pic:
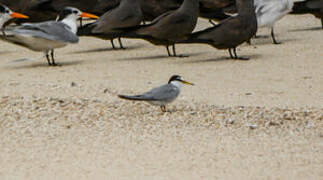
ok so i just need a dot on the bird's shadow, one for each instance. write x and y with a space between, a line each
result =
160 57
307 29
43 65
106 50
223 59
256 42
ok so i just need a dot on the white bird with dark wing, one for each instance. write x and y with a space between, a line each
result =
268 12
163 95
49 35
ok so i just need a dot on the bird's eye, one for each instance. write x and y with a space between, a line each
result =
6 11
75 12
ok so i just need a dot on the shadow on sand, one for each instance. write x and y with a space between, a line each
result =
42 65
224 58
106 50
160 57
307 29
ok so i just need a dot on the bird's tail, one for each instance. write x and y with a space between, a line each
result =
195 38
301 7
133 98
85 30
137 31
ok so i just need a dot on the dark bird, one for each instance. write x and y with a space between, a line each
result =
127 14
216 10
314 7
168 28
231 32
162 95
49 35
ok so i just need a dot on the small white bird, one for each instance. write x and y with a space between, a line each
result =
268 12
6 14
162 95
49 35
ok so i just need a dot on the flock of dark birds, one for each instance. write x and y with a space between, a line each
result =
161 22
44 25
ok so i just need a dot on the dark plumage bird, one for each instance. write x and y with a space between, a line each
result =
168 28
314 7
231 32
127 14
216 10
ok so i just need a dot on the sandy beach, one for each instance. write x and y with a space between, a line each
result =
256 119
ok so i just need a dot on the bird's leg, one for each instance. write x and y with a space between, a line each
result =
211 22
163 108
112 43
4 33
81 22
237 57
174 51
273 36
120 42
47 57
53 59
167 47
231 56
175 55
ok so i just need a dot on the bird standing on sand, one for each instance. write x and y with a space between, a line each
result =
49 35
127 14
163 95
6 14
231 32
268 12
169 27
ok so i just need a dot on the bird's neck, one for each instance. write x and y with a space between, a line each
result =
192 5
246 8
131 2
177 84
70 22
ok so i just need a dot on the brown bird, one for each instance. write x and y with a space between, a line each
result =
314 7
231 32
168 28
216 10
127 14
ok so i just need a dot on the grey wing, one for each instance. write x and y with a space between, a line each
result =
51 30
165 93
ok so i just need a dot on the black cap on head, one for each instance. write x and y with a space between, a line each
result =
66 12
3 9
175 78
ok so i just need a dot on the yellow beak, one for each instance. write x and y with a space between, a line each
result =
18 15
88 15
188 83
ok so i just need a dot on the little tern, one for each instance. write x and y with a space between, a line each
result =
49 35
162 95
6 14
